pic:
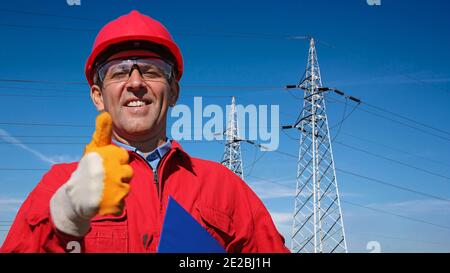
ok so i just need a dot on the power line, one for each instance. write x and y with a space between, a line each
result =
255 160
48 27
374 209
87 96
184 86
74 125
47 136
365 234
276 182
41 81
394 160
12 88
370 179
83 136
248 34
278 179
290 137
344 118
41 96
215 34
379 181
23 169
365 177
393 120
41 89
424 83
84 143
376 143
395 149
250 102
396 121
398 215
406 118
235 35
44 143
394 185
258 88
386 158
50 15
44 124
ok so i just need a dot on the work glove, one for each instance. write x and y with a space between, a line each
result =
97 186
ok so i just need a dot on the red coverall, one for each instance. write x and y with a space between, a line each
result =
218 199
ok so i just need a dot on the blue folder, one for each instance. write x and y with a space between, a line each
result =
181 233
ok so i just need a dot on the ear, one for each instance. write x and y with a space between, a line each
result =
174 92
97 98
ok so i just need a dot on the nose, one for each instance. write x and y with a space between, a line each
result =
135 81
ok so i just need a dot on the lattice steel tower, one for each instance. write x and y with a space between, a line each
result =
318 224
232 156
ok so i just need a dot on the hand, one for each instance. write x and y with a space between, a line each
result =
97 186
116 170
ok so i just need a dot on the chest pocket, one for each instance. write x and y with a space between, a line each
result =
108 234
217 223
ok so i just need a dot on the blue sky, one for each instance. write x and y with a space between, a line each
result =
394 56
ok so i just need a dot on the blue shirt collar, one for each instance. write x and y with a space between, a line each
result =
153 157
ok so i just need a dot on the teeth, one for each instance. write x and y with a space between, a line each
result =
136 103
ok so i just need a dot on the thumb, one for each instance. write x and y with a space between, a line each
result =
103 131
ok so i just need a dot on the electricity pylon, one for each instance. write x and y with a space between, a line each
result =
318 225
232 158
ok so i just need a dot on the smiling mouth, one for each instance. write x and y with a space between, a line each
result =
137 103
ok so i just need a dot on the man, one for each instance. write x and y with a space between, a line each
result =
114 199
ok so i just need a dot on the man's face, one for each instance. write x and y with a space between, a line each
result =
138 106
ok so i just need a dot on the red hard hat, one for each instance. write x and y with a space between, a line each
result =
132 27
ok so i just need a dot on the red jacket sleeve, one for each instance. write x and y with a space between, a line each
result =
265 237
254 229
32 229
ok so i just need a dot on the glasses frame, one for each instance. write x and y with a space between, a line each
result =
101 66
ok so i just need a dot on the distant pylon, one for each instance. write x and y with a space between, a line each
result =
318 225
232 156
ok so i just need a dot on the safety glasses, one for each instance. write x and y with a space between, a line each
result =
150 68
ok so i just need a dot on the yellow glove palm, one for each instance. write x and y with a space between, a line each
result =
115 163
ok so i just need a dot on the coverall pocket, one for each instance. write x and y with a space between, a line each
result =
217 223
37 213
108 234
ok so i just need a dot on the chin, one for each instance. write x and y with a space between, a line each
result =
137 129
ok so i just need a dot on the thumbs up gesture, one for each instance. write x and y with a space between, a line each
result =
116 171
97 186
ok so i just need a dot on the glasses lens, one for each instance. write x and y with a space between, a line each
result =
149 68
154 69
115 70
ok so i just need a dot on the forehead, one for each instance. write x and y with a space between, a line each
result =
133 53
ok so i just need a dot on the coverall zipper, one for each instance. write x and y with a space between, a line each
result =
156 180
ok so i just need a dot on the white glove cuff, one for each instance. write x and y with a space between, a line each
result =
76 202
64 216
